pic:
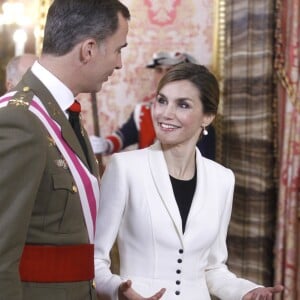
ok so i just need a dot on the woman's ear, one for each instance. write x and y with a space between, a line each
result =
207 119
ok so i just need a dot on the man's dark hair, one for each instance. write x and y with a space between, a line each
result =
71 21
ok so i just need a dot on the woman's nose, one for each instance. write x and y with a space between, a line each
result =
169 111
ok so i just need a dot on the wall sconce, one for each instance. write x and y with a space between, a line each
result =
14 15
20 38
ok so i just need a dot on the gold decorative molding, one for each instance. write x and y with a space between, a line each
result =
219 37
42 14
218 65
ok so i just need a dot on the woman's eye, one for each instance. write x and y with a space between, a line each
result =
160 99
184 105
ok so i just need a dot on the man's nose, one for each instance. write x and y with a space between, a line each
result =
119 63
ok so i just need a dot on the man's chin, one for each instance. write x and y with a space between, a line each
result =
99 87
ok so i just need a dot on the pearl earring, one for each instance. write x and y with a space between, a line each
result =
205 132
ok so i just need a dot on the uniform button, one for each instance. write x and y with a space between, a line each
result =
180 251
177 293
178 271
178 282
93 284
74 188
179 260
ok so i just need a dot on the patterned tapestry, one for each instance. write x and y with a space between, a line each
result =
287 65
248 122
173 25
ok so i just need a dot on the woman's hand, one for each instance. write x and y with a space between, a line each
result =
263 293
126 292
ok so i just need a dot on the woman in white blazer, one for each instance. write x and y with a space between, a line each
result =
168 207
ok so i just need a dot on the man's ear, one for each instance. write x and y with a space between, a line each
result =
87 50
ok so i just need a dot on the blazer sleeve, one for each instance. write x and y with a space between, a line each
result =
221 282
22 161
113 195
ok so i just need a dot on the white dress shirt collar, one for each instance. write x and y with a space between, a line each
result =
61 93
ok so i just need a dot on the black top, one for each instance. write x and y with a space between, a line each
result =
184 192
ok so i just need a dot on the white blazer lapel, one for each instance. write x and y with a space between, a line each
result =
201 191
163 184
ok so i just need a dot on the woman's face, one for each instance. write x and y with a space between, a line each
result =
177 114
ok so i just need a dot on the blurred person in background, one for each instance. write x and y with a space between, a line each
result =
16 68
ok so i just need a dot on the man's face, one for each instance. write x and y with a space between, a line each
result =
159 72
108 56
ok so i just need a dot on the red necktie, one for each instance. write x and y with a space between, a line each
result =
75 107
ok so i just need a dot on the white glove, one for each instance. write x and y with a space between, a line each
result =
100 145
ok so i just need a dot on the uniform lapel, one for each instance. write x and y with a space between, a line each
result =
91 156
163 184
57 114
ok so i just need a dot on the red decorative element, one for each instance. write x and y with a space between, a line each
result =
44 263
162 12
147 133
116 141
75 107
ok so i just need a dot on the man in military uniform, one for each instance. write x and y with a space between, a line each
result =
49 185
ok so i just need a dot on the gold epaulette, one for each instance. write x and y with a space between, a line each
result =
22 98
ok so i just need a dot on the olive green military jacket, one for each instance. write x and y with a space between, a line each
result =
38 202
